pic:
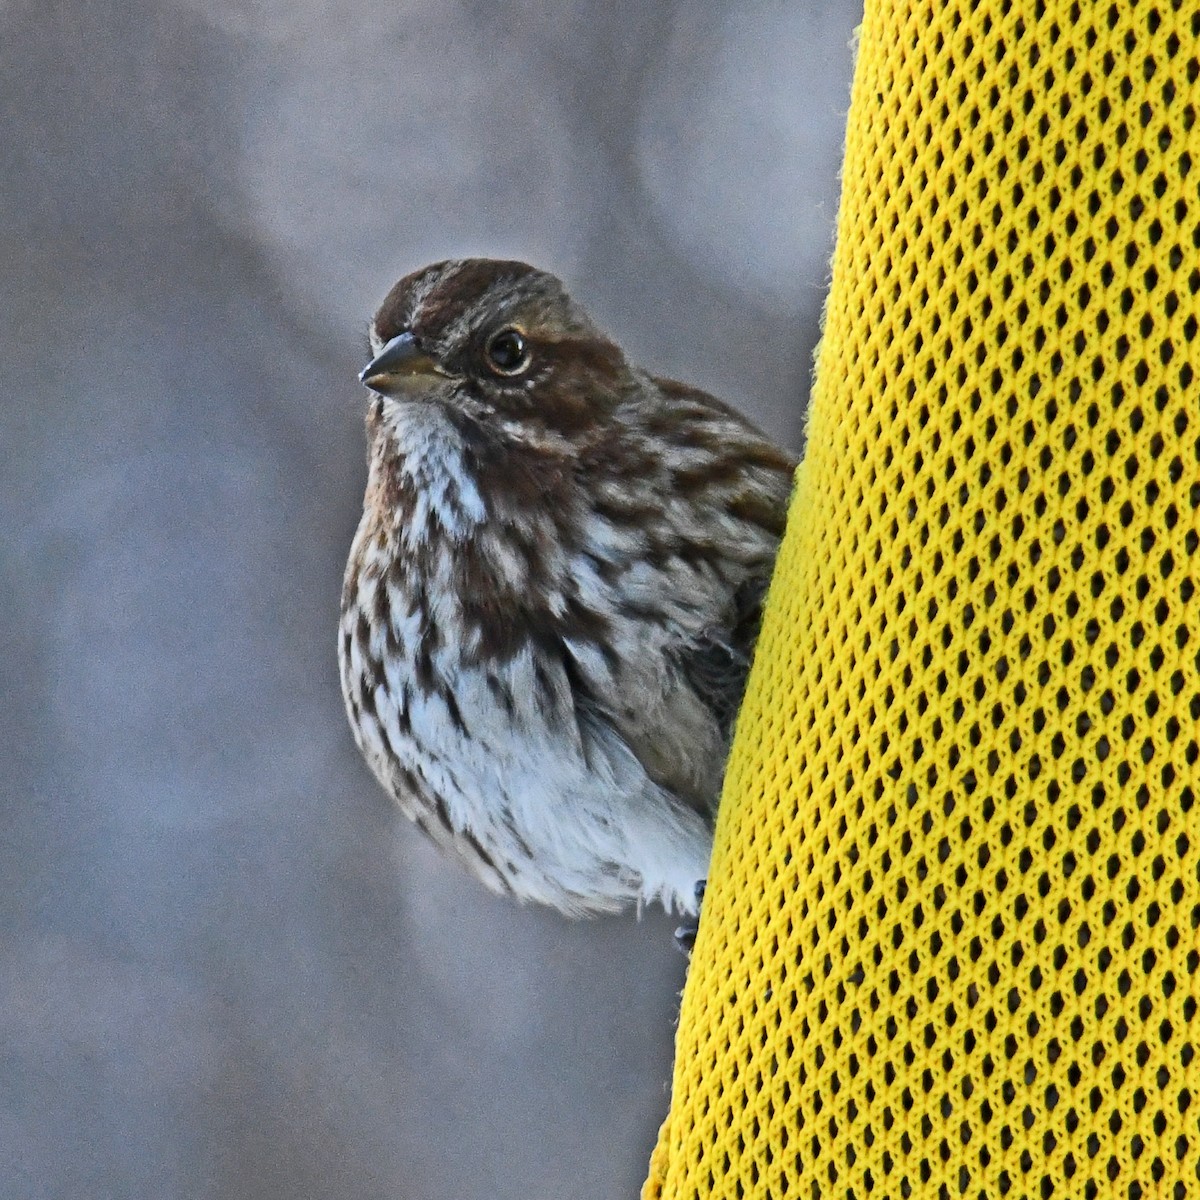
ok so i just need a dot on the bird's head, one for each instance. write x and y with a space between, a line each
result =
499 343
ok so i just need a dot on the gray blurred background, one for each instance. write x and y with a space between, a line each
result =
227 968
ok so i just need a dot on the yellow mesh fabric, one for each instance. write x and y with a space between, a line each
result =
951 944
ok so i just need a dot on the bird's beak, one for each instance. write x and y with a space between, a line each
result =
401 356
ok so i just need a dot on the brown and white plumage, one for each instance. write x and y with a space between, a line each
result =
551 599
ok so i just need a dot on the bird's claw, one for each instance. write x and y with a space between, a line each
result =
685 934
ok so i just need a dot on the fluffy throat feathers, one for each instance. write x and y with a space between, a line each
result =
430 474
471 537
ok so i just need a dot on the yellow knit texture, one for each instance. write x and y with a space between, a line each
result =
951 943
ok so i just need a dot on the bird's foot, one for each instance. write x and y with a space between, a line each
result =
685 935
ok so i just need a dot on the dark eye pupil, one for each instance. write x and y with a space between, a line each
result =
507 350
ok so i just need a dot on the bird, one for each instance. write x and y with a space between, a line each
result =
552 597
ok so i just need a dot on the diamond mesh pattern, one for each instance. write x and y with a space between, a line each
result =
951 943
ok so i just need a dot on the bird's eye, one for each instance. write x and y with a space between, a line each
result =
508 352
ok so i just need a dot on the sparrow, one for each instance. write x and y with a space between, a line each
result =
553 594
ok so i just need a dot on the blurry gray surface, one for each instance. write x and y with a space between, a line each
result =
227 968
